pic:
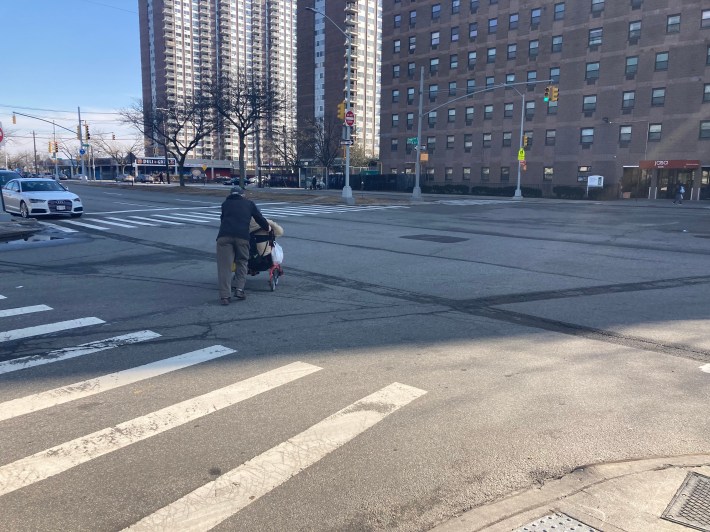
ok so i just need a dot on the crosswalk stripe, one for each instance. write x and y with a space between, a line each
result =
59 227
60 458
277 214
23 310
3 297
136 222
705 368
182 218
105 221
16 334
216 501
84 224
196 217
76 351
87 388
154 220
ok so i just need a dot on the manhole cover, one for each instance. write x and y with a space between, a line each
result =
691 504
556 523
437 238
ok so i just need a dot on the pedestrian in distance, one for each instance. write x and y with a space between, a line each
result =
679 194
233 243
313 183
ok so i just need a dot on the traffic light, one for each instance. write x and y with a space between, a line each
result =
50 147
86 128
341 110
14 118
554 94
78 132
56 147
548 91
113 136
525 141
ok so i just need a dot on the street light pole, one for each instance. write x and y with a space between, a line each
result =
518 194
417 191
347 190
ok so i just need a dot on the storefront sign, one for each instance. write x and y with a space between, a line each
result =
677 164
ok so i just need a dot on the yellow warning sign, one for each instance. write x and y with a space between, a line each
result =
521 154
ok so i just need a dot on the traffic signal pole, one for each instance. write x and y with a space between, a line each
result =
81 143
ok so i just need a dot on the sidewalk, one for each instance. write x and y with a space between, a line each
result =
624 496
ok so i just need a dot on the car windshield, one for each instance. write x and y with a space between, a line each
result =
48 185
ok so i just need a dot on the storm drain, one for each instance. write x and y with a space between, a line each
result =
437 238
691 504
556 522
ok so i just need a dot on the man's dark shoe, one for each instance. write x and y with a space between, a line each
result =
224 300
239 294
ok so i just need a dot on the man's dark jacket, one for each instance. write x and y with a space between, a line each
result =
237 212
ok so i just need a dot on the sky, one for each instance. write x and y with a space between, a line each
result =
58 55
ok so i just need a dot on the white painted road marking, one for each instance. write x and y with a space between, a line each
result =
181 218
209 505
84 224
87 388
50 462
59 228
6 336
23 310
705 368
77 351
131 221
154 220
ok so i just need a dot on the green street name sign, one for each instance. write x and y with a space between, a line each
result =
412 141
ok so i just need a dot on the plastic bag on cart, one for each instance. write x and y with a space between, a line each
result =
277 253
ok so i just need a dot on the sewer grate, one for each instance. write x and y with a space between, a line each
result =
437 238
691 504
556 522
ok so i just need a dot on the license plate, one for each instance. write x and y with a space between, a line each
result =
61 207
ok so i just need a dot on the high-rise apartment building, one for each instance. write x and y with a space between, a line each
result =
186 45
634 92
322 65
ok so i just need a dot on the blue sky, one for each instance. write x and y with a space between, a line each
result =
61 54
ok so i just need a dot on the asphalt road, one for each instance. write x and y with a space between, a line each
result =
415 361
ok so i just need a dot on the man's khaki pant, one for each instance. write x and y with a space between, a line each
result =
231 250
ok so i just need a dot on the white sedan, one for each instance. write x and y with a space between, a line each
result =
40 197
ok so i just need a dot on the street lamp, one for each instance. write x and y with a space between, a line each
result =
347 191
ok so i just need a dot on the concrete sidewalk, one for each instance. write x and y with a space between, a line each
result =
623 496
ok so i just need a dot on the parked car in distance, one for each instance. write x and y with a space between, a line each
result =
81 177
127 178
40 197
145 178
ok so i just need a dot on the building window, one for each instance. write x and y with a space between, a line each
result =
508 110
472 59
395 120
624 134
397 21
435 38
504 174
509 79
454 34
410 95
466 173
467 142
592 71
654 132
705 19
533 48
410 120
432 118
397 46
492 25
435 11
491 55
529 135
705 129
433 65
448 173
529 109
632 65
513 21
556 43
535 15
547 174
628 99
470 85
412 44
450 142
485 174
597 6
532 78
555 74
507 138
706 93
550 137
473 30
634 30
490 81
662 61
707 57
586 135
595 37
552 107
455 6
453 61
433 92
412 19
488 112
559 11
658 97
673 24
469 115
395 95
589 103
452 88
395 71
411 69
512 51
394 145
473 5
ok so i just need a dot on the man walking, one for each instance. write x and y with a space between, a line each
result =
233 242
679 194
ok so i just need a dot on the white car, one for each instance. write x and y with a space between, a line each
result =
40 197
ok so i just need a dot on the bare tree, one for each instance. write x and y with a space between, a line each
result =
326 141
244 101
289 145
69 152
177 127
119 152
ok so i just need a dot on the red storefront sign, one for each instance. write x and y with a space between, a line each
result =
678 164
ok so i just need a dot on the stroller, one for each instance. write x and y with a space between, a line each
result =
265 261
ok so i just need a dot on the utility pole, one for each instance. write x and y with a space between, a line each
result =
417 191
56 157
81 144
34 141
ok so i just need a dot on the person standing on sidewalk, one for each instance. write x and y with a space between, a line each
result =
679 194
233 242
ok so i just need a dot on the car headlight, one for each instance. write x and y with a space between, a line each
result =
35 200
77 199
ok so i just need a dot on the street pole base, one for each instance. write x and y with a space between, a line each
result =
348 196
417 194
518 194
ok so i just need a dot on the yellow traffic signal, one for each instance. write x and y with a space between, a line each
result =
554 94
525 141
14 118
341 110
548 90
50 147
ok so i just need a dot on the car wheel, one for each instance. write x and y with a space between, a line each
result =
24 211
76 214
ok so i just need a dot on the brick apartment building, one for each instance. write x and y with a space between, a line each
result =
634 92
